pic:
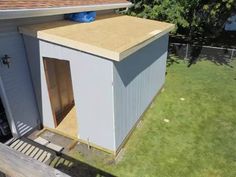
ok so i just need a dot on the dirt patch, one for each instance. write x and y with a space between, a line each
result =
91 154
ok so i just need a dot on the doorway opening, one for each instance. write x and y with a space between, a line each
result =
59 83
5 131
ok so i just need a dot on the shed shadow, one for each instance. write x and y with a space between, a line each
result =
129 68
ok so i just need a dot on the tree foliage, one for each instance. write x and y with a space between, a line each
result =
193 18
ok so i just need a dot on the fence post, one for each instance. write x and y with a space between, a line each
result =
186 54
232 54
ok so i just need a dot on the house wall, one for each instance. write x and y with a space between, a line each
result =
137 80
16 86
92 88
33 58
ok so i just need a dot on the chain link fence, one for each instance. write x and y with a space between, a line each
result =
193 53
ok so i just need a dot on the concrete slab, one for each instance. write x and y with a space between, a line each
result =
41 141
57 139
55 147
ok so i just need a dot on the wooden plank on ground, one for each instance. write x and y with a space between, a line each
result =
16 164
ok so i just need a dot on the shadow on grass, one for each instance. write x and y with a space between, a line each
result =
216 56
76 168
172 59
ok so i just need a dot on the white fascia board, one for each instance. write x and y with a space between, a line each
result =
24 13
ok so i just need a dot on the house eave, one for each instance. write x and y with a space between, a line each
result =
24 13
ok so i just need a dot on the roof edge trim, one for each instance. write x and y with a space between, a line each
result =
24 13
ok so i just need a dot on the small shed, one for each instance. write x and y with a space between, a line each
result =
97 78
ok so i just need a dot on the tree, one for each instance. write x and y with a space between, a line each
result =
209 17
164 10
193 18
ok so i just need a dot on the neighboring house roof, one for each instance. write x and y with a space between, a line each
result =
31 8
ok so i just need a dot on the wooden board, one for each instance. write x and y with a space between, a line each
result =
111 36
69 124
17 164
60 90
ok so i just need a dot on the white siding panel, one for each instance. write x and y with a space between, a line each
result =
92 87
137 80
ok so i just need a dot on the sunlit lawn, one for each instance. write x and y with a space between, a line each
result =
200 138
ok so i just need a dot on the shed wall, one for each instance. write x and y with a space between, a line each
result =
19 98
137 80
92 88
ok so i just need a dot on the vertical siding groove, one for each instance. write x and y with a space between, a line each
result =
137 80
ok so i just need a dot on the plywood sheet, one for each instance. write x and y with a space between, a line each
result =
110 36
59 86
69 124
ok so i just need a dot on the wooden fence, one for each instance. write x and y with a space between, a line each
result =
16 164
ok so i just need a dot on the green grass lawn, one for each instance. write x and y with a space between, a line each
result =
200 138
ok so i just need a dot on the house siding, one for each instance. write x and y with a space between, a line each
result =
16 81
9 27
33 56
17 85
137 80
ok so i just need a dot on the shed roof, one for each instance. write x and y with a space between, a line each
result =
31 8
111 36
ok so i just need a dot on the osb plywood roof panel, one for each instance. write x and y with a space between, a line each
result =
34 4
110 36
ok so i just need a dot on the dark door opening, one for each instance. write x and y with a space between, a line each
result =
5 131
58 76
